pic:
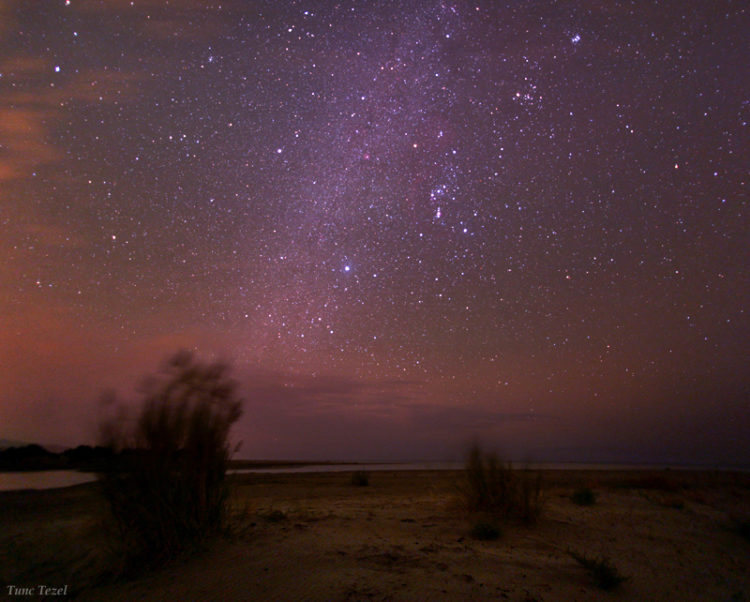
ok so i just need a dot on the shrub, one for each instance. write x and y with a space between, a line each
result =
360 478
167 491
583 497
494 487
742 527
654 482
672 502
530 500
274 516
485 530
605 574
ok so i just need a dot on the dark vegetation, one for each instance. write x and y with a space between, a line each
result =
495 488
651 482
35 457
602 571
168 493
274 516
360 478
583 496
485 530
86 458
742 527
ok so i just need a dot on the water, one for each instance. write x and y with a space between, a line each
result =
460 466
441 466
43 479
350 467
51 479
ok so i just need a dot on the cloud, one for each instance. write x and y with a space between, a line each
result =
29 118
23 67
305 395
187 20
148 6
24 140
54 236
330 416
38 99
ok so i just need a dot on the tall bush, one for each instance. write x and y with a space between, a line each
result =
167 488
494 487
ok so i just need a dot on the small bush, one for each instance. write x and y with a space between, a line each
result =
605 574
653 482
275 516
495 487
530 498
167 489
742 527
485 531
583 497
360 478
672 502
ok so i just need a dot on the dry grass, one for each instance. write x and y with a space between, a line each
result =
360 478
602 571
485 530
167 492
583 496
494 487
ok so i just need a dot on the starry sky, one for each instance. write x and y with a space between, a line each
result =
407 224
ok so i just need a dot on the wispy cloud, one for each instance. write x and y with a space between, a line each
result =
187 20
361 418
25 142
54 236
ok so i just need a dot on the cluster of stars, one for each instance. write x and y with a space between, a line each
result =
445 191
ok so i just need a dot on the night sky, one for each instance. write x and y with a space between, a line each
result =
407 223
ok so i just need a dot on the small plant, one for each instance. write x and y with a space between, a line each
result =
485 531
605 574
742 527
275 516
672 502
583 497
360 478
530 499
652 482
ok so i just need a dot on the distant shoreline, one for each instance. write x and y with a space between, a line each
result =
319 466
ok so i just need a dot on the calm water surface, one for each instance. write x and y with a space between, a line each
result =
43 479
51 479
436 466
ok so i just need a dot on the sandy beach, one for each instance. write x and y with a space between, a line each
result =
674 535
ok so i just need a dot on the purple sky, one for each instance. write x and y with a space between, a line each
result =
407 224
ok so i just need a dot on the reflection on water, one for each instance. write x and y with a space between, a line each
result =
350 467
43 479
438 466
